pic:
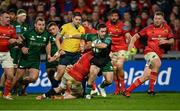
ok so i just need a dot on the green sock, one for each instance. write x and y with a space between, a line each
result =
1 88
104 84
19 88
88 89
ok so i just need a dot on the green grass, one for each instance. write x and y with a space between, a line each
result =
137 101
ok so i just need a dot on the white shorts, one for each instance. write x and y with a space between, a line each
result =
119 54
115 56
149 57
5 60
75 86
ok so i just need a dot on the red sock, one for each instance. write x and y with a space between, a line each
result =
153 78
122 83
134 85
94 86
68 90
7 89
117 84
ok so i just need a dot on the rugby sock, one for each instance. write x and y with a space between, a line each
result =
84 85
68 88
7 87
122 82
24 88
20 86
55 83
116 82
104 84
117 90
153 78
134 85
1 88
51 75
94 86
88 89
50 93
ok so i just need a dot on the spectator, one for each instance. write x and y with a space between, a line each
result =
111 4
31 15
133 9
140 43
12 4
95 20
176 10
176 30
68 17
19 4
154 8
53 17
164 5
3 6
82 7
144 16
98 6
127 17
123 8
67 5
55 4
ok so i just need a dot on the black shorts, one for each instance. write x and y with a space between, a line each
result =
69 58
100 61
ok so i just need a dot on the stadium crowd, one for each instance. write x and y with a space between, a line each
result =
68 30
138 12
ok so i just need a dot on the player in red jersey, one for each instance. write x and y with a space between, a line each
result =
7 36
73 77
119 48
158 35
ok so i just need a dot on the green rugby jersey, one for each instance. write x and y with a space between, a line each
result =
96 39
36 43
20 28
54 48
16 52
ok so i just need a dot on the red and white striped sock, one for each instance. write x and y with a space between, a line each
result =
7 89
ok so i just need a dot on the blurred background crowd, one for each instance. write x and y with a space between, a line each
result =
136 14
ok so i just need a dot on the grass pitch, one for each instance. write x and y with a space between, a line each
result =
137 101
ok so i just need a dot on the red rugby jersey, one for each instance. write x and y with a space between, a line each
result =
6 33
118 42
154 34
81 68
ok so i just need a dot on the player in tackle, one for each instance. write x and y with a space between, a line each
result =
72 77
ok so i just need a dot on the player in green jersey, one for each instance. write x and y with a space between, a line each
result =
21 27
51 65
35 41
101 46
15 51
